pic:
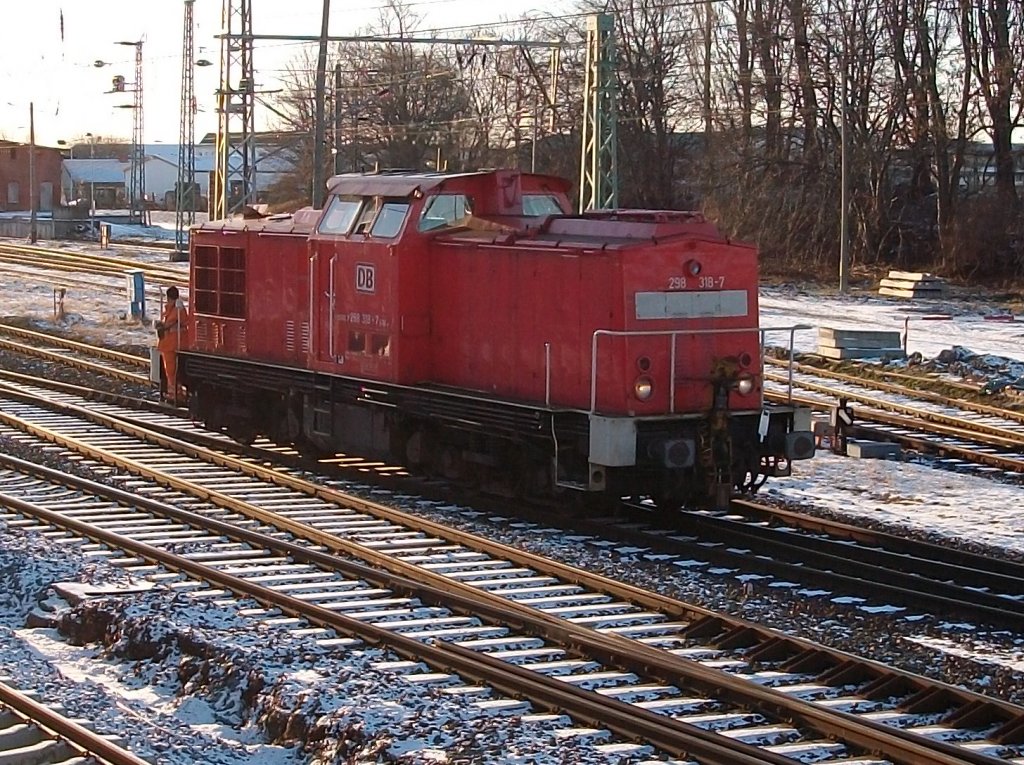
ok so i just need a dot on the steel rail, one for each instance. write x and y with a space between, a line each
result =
1016 437
926 445
920 442
82 740
87 262
893 542
934 585
904 390
79 255
905 746
901 421
85 364
31 272
48 269
92 394
670 735
98 351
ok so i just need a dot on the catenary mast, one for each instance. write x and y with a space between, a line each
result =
184 191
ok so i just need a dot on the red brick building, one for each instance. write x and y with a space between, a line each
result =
14 177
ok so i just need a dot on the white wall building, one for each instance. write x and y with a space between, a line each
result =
162 169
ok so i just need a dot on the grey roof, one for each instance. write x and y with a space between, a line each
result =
205 162
95 170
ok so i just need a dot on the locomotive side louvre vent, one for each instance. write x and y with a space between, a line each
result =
202 332
305 336
289 335
240 337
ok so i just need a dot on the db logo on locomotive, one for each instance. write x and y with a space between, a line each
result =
365 278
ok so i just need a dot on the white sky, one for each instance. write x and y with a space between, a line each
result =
69 91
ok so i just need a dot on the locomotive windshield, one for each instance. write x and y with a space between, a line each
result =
389 220
539 205
445 210
339 216
381 217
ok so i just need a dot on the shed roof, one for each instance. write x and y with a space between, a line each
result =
205 162
95 170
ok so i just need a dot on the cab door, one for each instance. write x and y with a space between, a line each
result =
364 280
330 244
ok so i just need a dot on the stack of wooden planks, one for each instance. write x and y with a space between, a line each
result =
908 284
859 344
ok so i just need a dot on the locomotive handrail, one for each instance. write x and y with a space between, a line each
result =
792 333
672 334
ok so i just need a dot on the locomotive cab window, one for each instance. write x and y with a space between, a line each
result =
445 210
341 212
538 205
390 219
366 215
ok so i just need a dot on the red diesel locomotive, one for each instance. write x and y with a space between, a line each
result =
468 325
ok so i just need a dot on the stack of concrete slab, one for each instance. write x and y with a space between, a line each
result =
859 344
912 285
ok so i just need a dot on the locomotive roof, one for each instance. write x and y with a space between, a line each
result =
403 184
300 222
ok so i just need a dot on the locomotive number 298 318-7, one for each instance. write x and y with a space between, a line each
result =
702 282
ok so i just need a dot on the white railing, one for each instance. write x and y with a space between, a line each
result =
671 335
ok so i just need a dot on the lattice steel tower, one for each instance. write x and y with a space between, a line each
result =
234 183
184 191
599 172
137 211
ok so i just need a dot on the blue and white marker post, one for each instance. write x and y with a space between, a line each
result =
136 294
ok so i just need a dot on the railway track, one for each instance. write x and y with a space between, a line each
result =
621 643
58 350
84 263
790 546
869 564
136 245
32 734
961 431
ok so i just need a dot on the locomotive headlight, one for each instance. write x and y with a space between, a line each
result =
643 388
744 385
693 267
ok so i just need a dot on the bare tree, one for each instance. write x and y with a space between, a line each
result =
992 33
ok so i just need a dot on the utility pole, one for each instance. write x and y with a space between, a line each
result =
318 121
533 138
236 148
708 11
33 235
337 119
844 182
184 189
599 172
137 211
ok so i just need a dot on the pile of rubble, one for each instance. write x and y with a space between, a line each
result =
997 374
